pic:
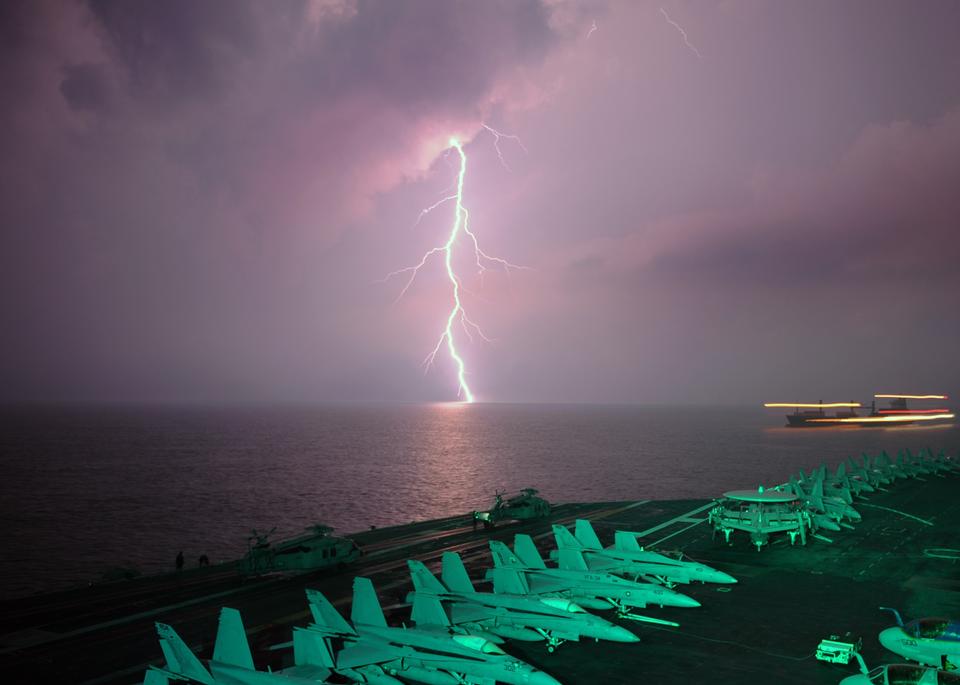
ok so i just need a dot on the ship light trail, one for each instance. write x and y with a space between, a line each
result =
888 419
913 411
913 397
818 405
460 226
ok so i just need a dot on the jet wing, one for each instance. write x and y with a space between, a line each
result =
364 654
541 584
356 655
464 612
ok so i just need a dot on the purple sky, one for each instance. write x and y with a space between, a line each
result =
198 199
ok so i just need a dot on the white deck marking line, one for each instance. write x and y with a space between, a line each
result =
695 523
675 519
55 637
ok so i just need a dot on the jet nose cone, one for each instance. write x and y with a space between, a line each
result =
890 639
721 577
620 634
829 524
675 599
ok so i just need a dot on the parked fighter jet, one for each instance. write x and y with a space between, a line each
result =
903 674
848 483
872 471
373 649
232 662
525 573
941 462
827 512
931 641
627 557
511 616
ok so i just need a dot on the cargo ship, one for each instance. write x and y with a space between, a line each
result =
897 413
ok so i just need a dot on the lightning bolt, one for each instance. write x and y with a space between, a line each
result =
593 27
496 144
461 225
682 32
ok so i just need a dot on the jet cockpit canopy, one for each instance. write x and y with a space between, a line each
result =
933 629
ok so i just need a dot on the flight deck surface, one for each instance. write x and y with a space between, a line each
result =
763 629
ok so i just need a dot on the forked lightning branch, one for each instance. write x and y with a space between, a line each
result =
459 231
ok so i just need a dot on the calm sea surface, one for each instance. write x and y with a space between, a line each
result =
88 488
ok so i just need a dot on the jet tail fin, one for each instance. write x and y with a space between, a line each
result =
231 646
527 551
428 611
366 609
502 556
311 648
509 581
454 573
571 560
565 539
626 541
325 615
586 535
180 659
423 579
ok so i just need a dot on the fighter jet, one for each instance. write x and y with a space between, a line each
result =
848 482
627 557
872 471
903 674
828 512
371 647
941 462
931 641
525 573
503 615
232 663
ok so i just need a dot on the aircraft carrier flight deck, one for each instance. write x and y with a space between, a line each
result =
763 629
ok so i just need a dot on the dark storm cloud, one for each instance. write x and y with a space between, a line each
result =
425 52
179 50
172 170
885 210
405 53
199 198
86 87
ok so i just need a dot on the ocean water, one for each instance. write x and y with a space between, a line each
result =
85 489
